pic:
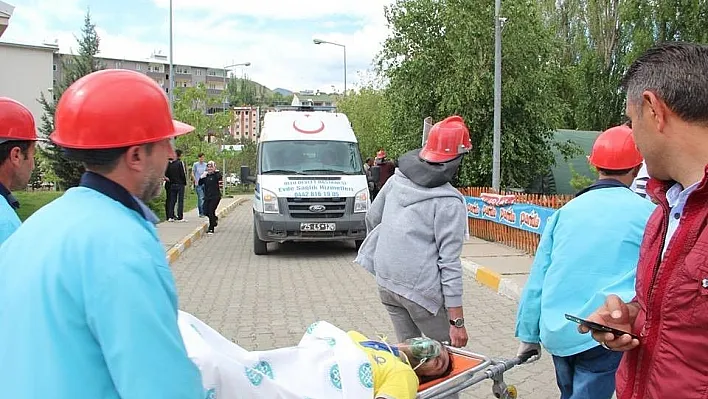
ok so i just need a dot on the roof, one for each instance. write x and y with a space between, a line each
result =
561 171
148 60
299 125
43 47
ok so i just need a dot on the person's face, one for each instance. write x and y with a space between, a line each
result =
155 163
648 129
201 159
23 165
436 366
210 168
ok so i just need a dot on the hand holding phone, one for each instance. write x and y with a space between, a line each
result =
599 327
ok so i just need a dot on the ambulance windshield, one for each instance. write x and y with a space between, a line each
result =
307 157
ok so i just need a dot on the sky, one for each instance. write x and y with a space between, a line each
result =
275 36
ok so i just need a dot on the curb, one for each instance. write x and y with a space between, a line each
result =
176 251
493 280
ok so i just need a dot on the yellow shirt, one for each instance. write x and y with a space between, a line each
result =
393 379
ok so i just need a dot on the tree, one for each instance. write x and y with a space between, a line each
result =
438 61
370 116
68 172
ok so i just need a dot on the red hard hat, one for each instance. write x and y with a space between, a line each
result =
614 149
16 121
447 140
114 108
381 154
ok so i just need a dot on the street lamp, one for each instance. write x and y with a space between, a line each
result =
496 143
320 41
226 94
171 84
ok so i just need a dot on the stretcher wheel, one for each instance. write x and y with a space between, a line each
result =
511 392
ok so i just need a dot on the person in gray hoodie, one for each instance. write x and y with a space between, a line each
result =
416 229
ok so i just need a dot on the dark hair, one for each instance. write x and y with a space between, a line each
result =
425 379
101 161
676 73
611 172
201 154
178 152
6 148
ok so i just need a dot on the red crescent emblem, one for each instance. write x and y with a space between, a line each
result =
313 131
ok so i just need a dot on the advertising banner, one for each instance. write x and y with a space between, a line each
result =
527 217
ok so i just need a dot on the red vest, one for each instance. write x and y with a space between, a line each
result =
672 359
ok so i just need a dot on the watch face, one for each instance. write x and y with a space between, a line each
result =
459 322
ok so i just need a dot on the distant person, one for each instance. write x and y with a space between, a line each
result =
198 169
209 181
177 181
17 147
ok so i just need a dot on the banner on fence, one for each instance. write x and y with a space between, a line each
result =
527 217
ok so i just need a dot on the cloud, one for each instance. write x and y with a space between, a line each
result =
274 35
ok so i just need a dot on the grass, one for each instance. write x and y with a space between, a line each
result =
31 201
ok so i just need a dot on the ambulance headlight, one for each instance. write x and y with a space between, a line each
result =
270 202
361 201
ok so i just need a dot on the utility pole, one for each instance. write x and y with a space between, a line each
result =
171 84
496 151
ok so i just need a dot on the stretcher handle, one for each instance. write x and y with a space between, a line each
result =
524 357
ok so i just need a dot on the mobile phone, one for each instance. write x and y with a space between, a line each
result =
598 327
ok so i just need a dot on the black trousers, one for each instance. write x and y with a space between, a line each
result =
210 205
175 196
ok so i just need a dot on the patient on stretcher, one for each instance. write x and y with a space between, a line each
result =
326 363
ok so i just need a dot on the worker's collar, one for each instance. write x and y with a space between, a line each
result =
602 183
117 192
14 203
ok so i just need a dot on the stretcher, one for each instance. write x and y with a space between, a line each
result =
469 369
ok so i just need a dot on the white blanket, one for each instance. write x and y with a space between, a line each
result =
325 364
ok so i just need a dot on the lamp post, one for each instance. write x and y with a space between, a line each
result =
319 41
226 71
496 144
171 84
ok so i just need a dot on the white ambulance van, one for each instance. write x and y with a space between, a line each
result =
310 183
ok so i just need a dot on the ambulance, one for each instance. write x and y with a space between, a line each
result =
310 183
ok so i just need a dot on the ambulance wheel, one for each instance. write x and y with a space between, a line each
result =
260 247
357 244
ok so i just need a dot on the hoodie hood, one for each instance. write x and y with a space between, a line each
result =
407 192
426 174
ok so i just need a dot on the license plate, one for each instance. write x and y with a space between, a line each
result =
317 226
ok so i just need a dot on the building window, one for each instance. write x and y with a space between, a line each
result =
119 65
212 86
137 67
54 67
198 72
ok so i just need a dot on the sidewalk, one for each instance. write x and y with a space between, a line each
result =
499 267
178 236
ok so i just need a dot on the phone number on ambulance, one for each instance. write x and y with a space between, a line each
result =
316 194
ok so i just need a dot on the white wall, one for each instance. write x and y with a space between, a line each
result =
25 72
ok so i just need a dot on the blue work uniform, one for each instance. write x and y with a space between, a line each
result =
589 249
9 221
88 303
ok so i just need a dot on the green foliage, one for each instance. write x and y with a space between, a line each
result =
439 61
67 172
370 116
579 181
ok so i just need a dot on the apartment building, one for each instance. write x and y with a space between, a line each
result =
157 66
26 74
246 123
6 11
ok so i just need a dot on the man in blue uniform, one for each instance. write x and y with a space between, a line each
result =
17 146
589 248
87 299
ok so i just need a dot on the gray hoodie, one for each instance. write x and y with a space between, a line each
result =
416 232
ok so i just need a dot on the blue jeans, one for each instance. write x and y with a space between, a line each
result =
587 375
200 200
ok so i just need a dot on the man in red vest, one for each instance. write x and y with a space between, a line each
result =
667 101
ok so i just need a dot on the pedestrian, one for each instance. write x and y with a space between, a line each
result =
17 147
198 169
667 102
416 229
589 247
209 181
88 301
177 179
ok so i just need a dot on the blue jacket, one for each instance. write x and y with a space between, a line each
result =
88 303
9 221
589 249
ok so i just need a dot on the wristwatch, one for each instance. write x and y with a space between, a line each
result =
459 322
